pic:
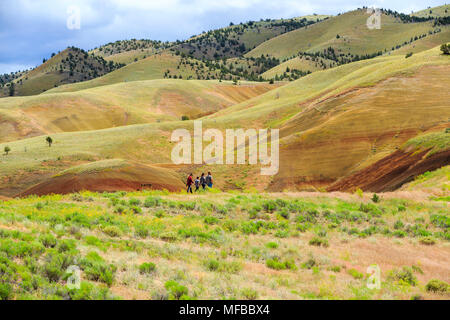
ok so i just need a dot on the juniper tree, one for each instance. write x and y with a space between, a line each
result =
49 141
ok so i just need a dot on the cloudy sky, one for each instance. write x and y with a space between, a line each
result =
31 30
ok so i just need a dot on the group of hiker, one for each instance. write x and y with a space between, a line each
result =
203 181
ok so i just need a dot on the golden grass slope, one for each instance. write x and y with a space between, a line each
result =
427 43
441 11
354 36
302 63
119 105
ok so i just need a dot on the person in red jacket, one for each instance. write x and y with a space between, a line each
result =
190 181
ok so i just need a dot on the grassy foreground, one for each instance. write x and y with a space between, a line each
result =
160 245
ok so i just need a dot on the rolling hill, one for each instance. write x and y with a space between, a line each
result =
333 123
69 66
128 51
441 11
164 65
347 34
235 40
119 105
302 63
426 43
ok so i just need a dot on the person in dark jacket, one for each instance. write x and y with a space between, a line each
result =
209 180
197 184
203 181
189 182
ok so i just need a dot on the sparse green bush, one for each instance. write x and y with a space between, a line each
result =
6 291
134 202
249 294
152 202
95 268
445 48
272 245
438 286
141 231
112 231
429 241
280 265
398 225
48 240
405 276
375 198
336 269
212 265
160 213
211 220
355 273
309 264
175 290
147 268
316 241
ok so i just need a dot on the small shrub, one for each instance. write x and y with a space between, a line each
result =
272 245
134 202
355 274
152 202
120 209
284 213
5 291
136 209
429 241
399 233
336 269
160 213
212 265
39 205
147 268
211 220
438 286
141 231
316 241
398 225
96 269
112 231
279 265
250 294
309 264
409 54
48 240
405 276
375 198
445 48
175 290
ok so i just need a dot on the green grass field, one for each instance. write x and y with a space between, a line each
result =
156 245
